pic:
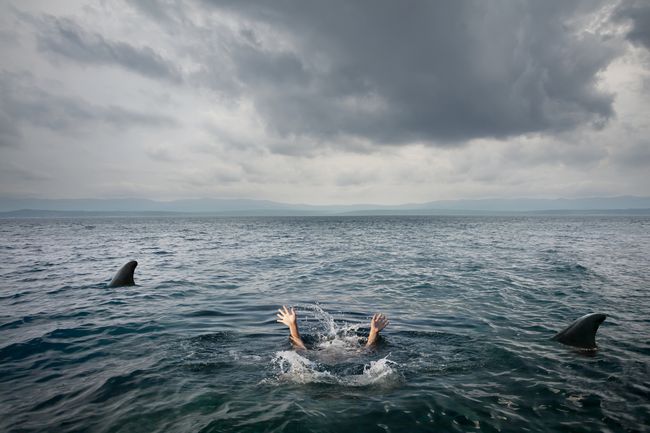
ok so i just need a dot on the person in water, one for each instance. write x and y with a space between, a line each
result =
288 317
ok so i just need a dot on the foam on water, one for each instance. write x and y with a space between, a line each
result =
337 349
293 367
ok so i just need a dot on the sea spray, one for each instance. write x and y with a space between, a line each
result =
380 372
324 327
295 368
324 331
337 351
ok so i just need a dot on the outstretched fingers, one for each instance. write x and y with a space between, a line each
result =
379 321
282 315
286 315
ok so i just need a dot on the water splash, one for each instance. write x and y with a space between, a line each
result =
295 368
326 332
324 327
337 349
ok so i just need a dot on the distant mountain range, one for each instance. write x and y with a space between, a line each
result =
10 207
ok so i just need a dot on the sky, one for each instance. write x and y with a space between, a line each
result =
324 102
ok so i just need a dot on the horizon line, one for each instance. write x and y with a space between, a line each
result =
280 201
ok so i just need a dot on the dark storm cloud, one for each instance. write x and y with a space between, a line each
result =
63 37
638 15
438 72
23 103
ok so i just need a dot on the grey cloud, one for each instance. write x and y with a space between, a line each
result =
9 132
269 69
225 175
160 154
22 103
574 154
8 37
634 155
12 172
64 37
441 72
638 15
355 178
166 11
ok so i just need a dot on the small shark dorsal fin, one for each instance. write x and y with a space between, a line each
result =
124 277
582 332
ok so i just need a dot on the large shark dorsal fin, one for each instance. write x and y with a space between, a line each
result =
582 332
124 277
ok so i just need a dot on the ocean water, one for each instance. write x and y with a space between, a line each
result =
195 347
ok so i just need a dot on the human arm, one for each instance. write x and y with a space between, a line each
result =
377 323
288 317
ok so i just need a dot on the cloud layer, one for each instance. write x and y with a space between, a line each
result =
326 101
63 37
435 72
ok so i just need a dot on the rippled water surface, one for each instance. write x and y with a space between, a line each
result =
195 346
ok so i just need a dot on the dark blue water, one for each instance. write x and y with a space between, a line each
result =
195 346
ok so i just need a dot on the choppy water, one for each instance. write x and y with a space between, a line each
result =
195 346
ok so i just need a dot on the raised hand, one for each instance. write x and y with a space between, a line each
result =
377 323
288 317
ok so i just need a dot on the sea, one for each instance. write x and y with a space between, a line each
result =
195 346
